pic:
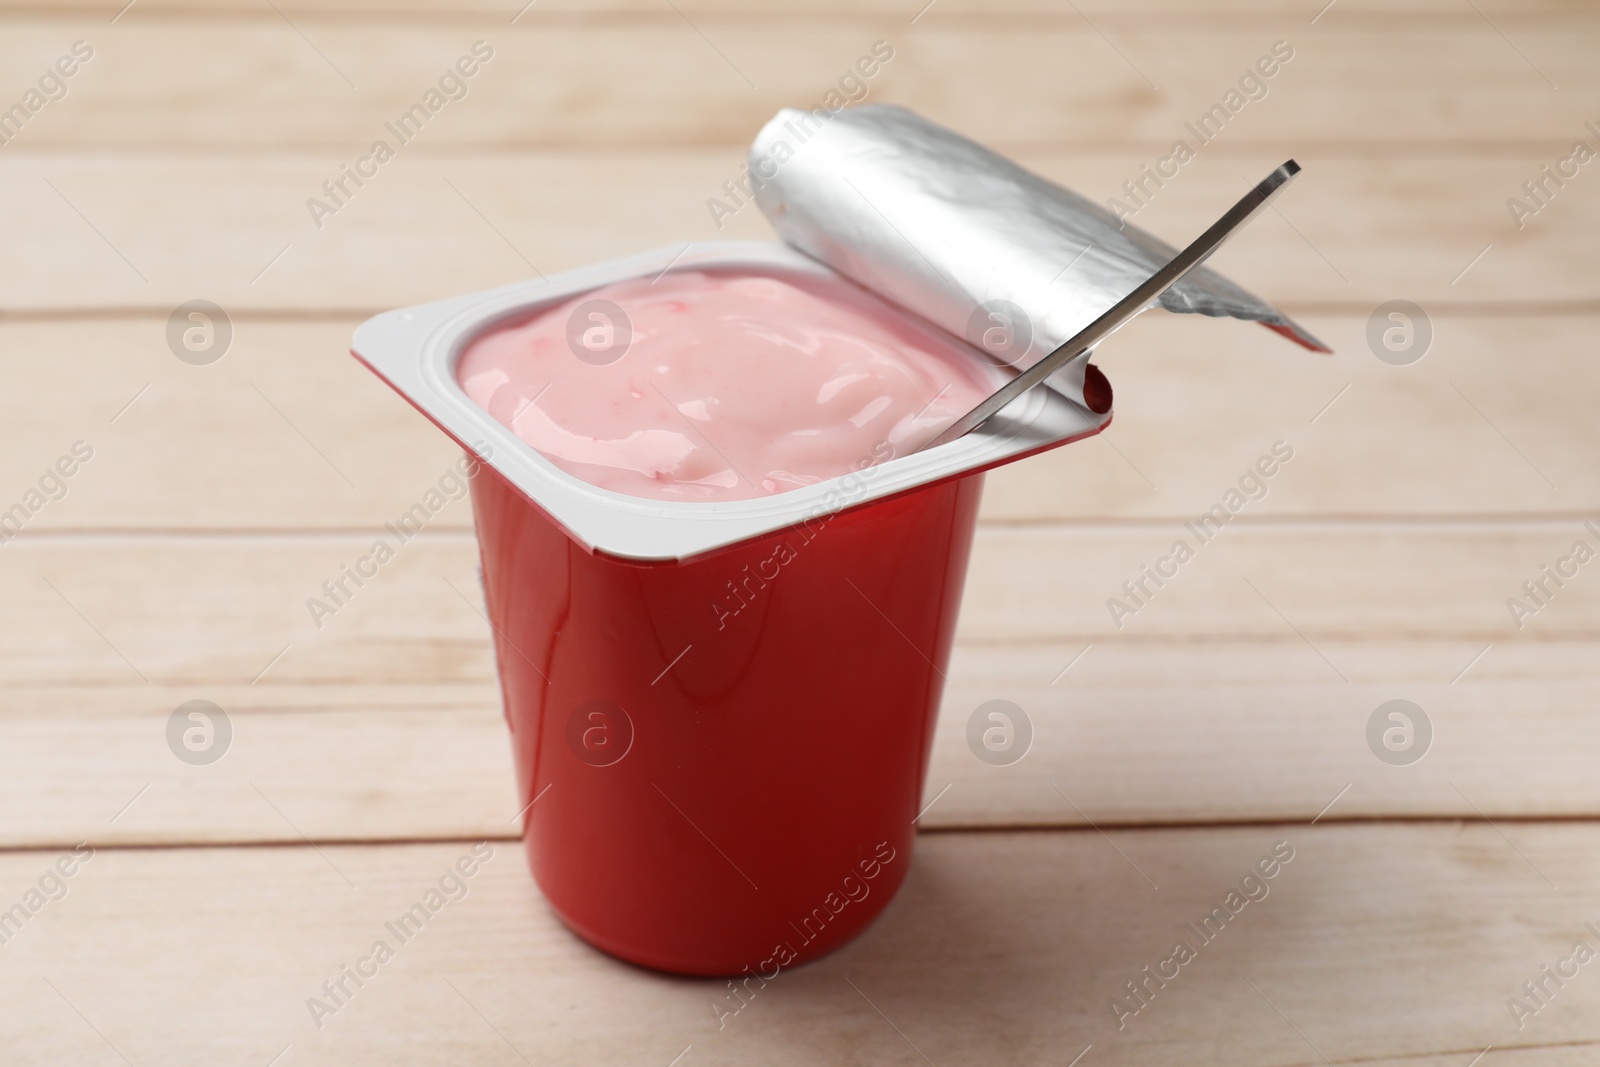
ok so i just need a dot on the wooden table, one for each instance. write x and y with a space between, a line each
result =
1229 714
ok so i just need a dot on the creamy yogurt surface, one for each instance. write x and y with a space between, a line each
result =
722 385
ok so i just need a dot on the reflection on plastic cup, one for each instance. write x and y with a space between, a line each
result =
599 332
1001 329
199 332
199 732
1399 332
1399 732
780 753
599 732
999 732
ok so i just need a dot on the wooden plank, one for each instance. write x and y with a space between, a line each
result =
229 611
376 773
150 230
1238 732
209 611
1386 944
288 433
1156 733
1460 433
1296 584
1106 12
257 79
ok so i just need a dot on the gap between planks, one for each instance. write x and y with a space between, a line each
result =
1519 148
644 15
1159 826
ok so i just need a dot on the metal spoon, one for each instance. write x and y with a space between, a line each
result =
1129 306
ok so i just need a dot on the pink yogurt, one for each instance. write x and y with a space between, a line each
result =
722 385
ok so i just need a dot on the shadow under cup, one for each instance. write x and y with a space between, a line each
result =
725 755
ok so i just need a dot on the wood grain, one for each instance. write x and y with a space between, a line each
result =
150 229
1130 735
1171 751
222 610
258 79
288 433
1106 12
1002 948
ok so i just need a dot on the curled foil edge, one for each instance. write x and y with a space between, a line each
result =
960 235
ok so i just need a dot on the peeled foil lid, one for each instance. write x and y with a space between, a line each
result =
964 237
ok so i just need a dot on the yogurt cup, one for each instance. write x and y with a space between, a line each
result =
721 713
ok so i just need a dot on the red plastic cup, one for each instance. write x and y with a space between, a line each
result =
727 753
721 713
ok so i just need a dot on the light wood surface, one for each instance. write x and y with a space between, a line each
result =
1002 948
217 610
165 80
1229 713
1366 225
1493 431
598 10
1135 734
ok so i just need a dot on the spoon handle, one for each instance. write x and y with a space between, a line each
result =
1129 306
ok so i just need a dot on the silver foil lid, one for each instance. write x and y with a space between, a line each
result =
964 237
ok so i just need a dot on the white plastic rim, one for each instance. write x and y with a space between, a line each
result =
416 349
